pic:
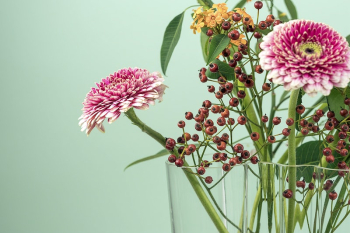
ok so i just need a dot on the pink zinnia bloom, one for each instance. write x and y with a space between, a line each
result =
127 88
305 54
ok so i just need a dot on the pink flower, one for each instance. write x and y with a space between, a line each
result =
305 54
127 88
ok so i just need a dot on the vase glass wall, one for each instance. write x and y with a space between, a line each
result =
249 198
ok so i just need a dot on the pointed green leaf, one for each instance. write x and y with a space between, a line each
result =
170 39
204 43
217 44
335 102
159 154
240 4
224 70
308 153
206 3
291 8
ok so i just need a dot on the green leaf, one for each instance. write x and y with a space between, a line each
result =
217 44
348 40
224 70
159 154
257 49
283 18
240 4
291 8
308 154
297 115
204 43
335 102
206 3
170 39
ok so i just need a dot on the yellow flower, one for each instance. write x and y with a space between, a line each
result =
221 7
242 12
197 27
239 41
213 18
227 15
198 11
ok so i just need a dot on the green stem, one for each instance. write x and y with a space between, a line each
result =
191 178
292 159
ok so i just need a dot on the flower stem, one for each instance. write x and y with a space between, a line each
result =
292 159
191 178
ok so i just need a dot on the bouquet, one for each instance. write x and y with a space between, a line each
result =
248 58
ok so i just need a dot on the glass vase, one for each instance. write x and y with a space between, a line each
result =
251 198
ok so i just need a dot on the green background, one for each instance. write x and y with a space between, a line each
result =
52 177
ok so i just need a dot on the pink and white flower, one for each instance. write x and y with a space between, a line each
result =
117 93
306 54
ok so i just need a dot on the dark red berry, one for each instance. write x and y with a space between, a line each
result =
327 151
238 70
232 162
233 35
315 129
236 17
180 149
270 18
320 112
329 125
263 25
242 120
226 52
237 56
201 170
225 137
342 135
172 158
286 132
195 137
249 83
199 118
271 139
300 109
215 109
179 162
230 121
330 159
347 101
344 152
258 5
254 136
327 185
203 78
241 94
258 69
343 112
213 67
330 114
223 156
226 25
189 115
226 167
311 186
238 148
300 184
216 157
277 22
208 122
276 120
181 124
170 144
242 47
228 86
290 121
219 95
257 35
254 160
209 32
265 118
330 138
341 165
304 131
315 118
221 121
245 154
288 193
333 195
232 63
234 102
208 179
266 86
344 128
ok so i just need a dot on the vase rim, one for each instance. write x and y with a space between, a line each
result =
267 163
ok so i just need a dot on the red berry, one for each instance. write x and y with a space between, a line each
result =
226 52
303 123
254 160
327 185
221 145
330 114
238 159
238 148
215 109
205 163
179 162
242 120
347 101
344 128
263 25
304 131
344 112
170 144
287 193
226 167
233 35
180 140
225 137
219 95
229 86
234 102
206 104
172 158
223 156
209 32
320 112
329 125
181 124
187 136
271 139
226 25
232 162
342 135
300 109
236 17
290 121
277 22
210 130
301 184
254 136
258 69
333 195
208 179
249 83
341 165
216 157
311 186
232 63
330 138
241 94
276 120
315 118
201 170
237 56
221 121
270 19
258 5
238 70
315 129
203 78
286 132
225 113
213 67
344 152
195 137
230 121
330 159
257 35
266 86
310 125
189 115
180 149
341 143
265 118
199 118
327 151
245 154
208 123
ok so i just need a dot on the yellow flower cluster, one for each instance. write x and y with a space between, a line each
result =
211 17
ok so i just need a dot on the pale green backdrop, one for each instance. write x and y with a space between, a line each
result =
52 177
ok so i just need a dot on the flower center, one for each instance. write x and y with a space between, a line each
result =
310 49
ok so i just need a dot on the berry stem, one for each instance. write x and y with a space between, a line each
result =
292 159
191 178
